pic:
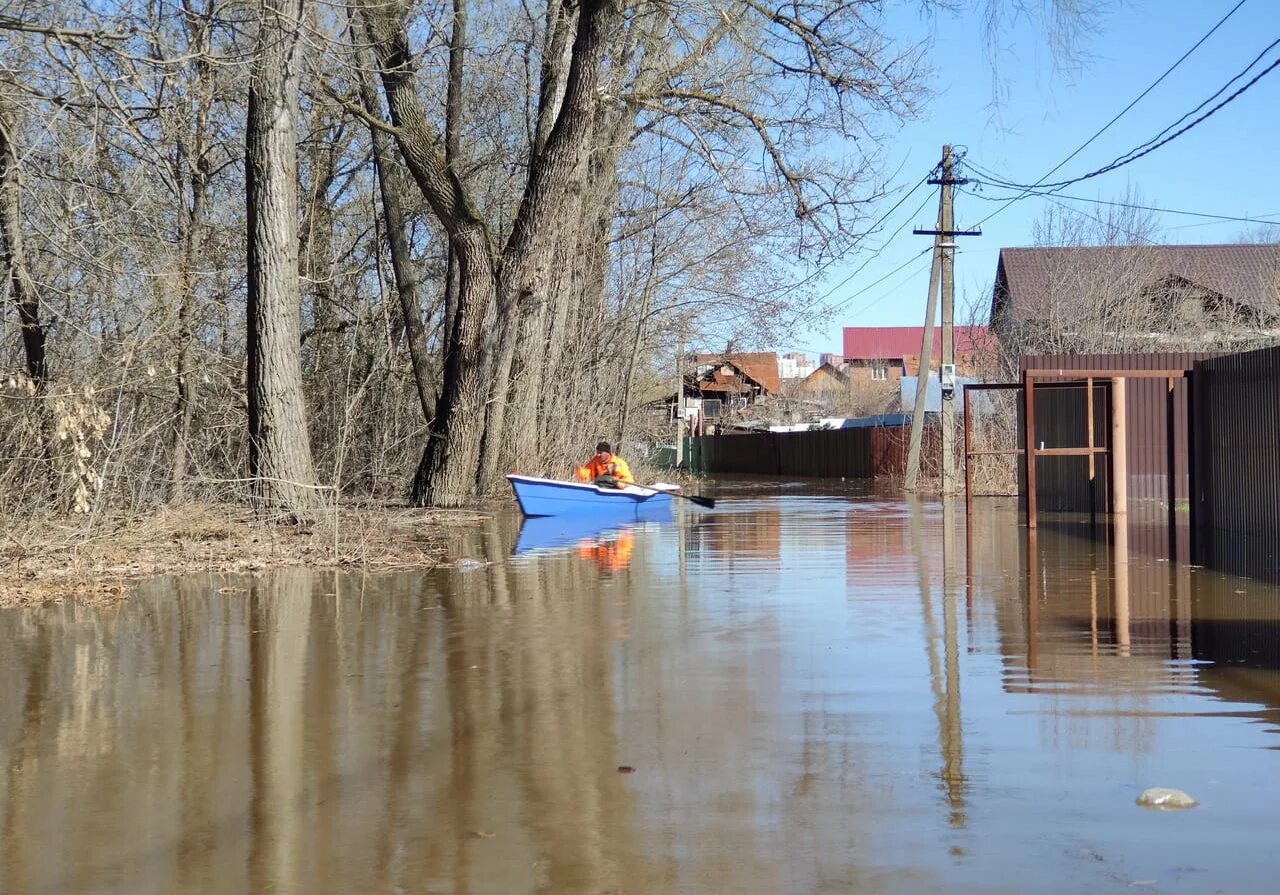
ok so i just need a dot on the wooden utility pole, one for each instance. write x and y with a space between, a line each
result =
680 404
948 334
922 376
943 272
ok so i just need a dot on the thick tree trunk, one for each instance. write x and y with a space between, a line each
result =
450 465
544 210
562 368
279 451
446 475
22 287
526 383
555 70
521 328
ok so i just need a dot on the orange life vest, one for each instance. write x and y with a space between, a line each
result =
616 467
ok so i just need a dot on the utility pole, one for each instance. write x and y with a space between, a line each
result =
922 375
948 333
943 270
680 403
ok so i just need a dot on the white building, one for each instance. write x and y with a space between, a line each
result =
795 366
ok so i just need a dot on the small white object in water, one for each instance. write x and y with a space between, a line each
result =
469 565
1162 798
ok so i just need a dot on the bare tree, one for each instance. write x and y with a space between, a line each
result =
407 281
22 287
191 176
587 184
279 449
447 474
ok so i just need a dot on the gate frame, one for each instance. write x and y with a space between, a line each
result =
1117 450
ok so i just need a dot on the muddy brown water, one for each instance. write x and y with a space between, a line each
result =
800 692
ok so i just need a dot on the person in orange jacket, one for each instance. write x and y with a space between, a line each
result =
606 469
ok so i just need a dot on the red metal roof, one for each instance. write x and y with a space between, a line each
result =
867 343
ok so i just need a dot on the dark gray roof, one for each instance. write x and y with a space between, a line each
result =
1246 273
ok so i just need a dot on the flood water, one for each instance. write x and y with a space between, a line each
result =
800 692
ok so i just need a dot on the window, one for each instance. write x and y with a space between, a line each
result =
879 372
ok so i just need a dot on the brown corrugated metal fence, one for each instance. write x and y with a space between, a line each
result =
1236 454
866 453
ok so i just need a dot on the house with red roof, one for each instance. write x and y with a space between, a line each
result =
737 378
888 353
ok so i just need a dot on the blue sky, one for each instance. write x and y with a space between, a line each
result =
1227 165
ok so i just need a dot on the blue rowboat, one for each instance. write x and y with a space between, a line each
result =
548 497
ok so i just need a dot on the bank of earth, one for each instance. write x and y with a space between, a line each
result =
101 560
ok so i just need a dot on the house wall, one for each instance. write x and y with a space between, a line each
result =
860 371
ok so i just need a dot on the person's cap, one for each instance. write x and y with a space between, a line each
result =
604 446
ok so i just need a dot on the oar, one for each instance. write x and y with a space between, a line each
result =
700 501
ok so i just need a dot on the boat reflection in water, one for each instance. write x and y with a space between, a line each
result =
606 542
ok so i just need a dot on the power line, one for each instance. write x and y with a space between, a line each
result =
1256 59
1125 110
856 243
1057 195
893 291
867 288
1217 93
874 256
1155 142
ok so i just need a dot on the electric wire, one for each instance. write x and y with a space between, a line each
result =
1098 133
872 257
1115 204
867 288
1123 159
1155 142
857 243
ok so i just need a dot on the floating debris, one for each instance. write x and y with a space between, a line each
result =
1162 798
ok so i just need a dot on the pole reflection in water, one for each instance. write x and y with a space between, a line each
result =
1033 597
743 705
944 675
951 728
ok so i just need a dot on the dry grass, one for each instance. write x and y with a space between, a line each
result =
59 558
